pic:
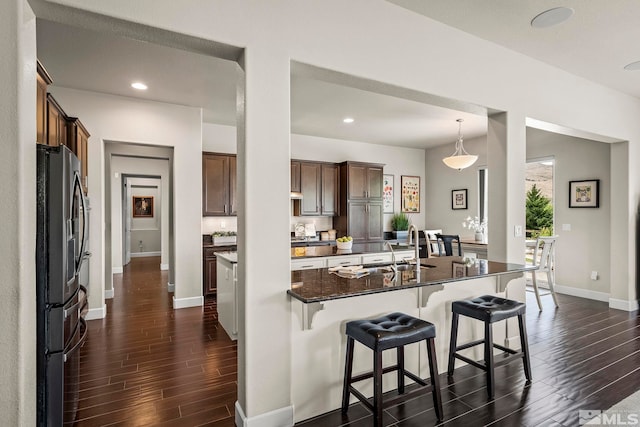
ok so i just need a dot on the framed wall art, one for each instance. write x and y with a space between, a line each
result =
387 193
459 199
584 194
410 193
459 269
143 206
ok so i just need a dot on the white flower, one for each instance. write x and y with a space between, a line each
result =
475 224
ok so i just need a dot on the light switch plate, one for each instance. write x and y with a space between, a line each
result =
517 231
566 227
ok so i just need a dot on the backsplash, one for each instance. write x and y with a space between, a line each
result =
219 223
322 223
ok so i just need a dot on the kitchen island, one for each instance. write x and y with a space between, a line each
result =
322 303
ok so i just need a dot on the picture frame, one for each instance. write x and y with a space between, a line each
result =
458 270
410 186
387 193
584 193
142 207
459 199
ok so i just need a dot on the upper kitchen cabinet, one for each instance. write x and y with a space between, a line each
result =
295 176
319 188
218 196
43 80
78 141
362 180
56 123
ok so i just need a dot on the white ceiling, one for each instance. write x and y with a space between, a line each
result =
595 43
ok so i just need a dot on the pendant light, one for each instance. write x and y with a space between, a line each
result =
460 159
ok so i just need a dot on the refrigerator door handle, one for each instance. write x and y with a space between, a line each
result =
83 338
77 185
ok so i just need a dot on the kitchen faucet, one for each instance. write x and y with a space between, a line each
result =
416 243
394 267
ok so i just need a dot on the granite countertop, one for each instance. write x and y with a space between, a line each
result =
320 285
230 256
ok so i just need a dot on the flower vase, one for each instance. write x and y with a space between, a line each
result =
479 236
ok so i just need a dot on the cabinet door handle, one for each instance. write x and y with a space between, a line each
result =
306 266
345 262
225 208
377 260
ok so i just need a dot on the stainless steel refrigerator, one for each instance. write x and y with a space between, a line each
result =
60 250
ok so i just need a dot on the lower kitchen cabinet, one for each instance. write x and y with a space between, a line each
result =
209 270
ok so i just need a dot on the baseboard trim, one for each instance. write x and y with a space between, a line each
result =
620 304
188 302
109 293
164 267
279 417
171 287
144 254
582 293
96 313
116 270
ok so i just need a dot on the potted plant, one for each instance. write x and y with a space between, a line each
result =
400 224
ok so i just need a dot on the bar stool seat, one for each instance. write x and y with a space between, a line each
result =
489 309
394 330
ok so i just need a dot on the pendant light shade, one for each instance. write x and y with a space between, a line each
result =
460 159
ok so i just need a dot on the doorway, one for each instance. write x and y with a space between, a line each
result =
141 216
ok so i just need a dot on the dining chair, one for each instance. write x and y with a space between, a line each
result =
432 241
544 258
445 241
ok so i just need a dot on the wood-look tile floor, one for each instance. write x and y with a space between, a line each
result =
148 365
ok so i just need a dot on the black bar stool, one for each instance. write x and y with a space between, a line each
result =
391 331
489 309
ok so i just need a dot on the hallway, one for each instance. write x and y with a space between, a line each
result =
148 365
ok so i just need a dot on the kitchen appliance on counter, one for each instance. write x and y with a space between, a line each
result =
61 249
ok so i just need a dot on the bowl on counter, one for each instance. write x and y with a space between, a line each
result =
344 245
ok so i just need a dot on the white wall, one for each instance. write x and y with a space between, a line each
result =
18 213
586 247
441 180
119 119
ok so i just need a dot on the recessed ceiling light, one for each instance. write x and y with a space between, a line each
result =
348 120
634 66
552 17
139 86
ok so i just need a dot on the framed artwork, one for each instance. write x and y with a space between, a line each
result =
387 193
459 199
143 206
459 269
410 193
584 194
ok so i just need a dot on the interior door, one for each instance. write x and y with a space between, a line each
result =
127 222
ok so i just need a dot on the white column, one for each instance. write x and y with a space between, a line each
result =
506 161
264 342
18 213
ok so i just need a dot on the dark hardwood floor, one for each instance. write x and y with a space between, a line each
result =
583 355
148 365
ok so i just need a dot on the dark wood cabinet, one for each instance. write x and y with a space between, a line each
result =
218 195
364 181
43 80
295 176
56 123
360 206
210 269
319 185
330 189
78 141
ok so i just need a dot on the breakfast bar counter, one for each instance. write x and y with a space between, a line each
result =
322 302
